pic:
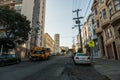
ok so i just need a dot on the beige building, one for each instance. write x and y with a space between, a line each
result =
107 18
57 43
85 36
49 42
77 45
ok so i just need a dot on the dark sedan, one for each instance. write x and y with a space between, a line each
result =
6 59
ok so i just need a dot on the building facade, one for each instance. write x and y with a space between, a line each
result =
49 42
57 43
85 36
92 36
35 12
107 18
88 33
64 50
77 45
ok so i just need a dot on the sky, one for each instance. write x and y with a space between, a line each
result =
59 18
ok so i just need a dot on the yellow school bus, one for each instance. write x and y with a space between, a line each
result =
39 53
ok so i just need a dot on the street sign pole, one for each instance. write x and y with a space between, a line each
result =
91 45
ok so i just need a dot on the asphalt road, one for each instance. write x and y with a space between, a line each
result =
57 68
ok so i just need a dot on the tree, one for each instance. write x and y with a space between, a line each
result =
15 25
79 50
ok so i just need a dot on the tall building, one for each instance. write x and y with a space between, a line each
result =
107 18
35 12
57 43
49 42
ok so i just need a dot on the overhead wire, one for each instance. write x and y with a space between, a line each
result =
87 9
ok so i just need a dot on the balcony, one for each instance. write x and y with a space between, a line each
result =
18 1
105 22
115 18
98 30
7 2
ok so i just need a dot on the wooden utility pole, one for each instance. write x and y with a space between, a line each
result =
78 25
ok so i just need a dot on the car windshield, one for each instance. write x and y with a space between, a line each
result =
6 55
81 54
37 52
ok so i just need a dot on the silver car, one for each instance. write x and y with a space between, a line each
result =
82 58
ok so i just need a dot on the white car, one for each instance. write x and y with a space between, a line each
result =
82 58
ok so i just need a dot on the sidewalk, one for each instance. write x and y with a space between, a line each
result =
25 59
110 68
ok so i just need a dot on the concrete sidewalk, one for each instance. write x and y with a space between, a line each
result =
110 68
25 59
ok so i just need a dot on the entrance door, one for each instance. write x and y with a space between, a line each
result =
102 46
110 52
115 52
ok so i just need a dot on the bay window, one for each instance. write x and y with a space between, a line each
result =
117 4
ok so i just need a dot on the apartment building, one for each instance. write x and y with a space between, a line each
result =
77 45
88 34
85 36
35 12
49 42
107 18
57 43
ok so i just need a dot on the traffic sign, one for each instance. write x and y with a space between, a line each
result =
91 43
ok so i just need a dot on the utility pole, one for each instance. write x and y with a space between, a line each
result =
78 25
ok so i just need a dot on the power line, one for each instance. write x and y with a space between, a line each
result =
87 8
73 5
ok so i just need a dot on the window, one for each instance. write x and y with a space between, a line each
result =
108 32
117 4
100 16
18 7
102 1
98 2
110 8
97 23
119 31
94 32
104 14
96 11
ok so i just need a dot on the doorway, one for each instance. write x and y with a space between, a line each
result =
115 51
102 46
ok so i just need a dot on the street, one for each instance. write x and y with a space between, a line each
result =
57 68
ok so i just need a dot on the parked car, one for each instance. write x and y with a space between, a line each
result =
82 58
6 59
